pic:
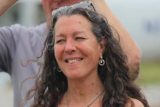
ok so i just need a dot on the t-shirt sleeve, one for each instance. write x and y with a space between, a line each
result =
7 44
17 38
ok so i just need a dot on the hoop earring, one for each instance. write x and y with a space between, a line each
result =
59 71
101 61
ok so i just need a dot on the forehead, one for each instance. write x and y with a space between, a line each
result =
72 20
71 25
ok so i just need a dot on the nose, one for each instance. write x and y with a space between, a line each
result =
70 47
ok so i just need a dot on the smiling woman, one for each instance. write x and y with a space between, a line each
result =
76 46
84 65
20 46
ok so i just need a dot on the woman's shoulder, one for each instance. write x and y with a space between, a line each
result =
132 102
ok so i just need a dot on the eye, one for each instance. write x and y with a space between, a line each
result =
79 38
60 41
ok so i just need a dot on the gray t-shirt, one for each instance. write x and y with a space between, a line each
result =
19 46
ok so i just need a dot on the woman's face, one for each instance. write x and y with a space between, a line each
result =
76 48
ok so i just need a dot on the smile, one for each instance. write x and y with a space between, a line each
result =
73 60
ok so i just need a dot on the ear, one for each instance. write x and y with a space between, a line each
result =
103 43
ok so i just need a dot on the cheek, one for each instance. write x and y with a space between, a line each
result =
94 47
58 52
95 52
90 50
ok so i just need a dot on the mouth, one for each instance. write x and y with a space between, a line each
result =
73 60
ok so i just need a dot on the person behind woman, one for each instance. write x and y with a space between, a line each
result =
84 65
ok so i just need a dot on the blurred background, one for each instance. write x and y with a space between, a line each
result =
140 17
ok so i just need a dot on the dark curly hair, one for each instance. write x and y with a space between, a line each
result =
52 84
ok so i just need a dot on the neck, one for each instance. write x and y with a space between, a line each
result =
94 101
83 92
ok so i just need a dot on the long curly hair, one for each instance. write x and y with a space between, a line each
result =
52 84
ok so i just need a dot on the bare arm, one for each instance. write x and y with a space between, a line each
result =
134 103
5 4
128 45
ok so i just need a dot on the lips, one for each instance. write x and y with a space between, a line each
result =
73 60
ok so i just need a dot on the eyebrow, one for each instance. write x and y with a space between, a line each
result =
74 34
59 35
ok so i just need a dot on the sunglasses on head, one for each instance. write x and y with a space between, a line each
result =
84 4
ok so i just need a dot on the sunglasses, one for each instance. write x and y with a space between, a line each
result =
84 4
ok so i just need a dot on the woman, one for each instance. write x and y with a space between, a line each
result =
84 65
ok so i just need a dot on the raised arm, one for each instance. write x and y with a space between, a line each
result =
5 38
5 4
127 43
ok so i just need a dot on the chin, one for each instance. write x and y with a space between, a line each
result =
74 77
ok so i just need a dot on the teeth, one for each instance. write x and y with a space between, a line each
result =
73 60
